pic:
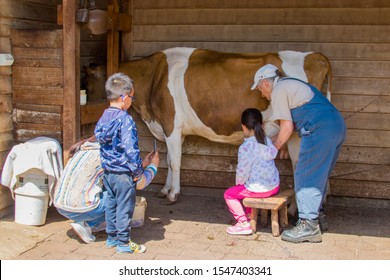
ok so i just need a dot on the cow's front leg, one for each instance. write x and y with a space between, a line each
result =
172 185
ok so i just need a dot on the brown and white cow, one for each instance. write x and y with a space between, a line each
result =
188 91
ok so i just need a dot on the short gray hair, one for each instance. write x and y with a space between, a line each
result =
118 84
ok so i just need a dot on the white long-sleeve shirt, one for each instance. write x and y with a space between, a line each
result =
256 167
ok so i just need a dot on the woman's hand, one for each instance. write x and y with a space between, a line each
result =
283 152
155 158
147 160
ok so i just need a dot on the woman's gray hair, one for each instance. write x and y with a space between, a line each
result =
118 84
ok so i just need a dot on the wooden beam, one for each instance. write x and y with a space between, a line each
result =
71 112
127 37
112 43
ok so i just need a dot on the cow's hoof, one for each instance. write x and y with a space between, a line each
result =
161 195
168 201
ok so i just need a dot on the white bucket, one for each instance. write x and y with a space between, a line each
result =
139 212
31 198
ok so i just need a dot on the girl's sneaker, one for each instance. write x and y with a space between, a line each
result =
130 248
240 229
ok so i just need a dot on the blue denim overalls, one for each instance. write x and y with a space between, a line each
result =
322 130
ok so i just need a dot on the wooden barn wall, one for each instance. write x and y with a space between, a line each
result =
354 35
31 90
34 14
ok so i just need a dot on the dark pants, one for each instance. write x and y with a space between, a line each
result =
120 203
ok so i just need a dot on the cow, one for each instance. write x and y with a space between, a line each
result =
189 91
94 81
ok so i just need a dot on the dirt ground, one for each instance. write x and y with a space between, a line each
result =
194 229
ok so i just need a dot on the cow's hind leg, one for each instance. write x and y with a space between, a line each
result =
172 185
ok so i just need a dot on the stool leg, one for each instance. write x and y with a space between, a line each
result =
275 223
283 216
264 217
253 218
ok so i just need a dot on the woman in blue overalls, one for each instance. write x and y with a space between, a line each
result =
301 107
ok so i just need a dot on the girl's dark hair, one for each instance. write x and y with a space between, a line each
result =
76 147
253 119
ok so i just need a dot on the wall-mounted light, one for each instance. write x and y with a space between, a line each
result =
6 59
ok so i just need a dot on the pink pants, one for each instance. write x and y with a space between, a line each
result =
234 195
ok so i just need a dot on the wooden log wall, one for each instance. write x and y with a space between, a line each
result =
354 35
33 14
31 90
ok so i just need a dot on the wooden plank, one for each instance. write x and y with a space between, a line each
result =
269 16
357 188
5 85
127 37
190 4
5 104
112 44
6 141
26 10
5 123
37 39
368 138
43 127
364 69
5 71
5 44
8 24
3 156
34 52
48 58
23 135
366 104
91 112
370 121
362 172
274 202
28 116
360 86
263 33
71 117
365 155
36 76
44 95
39 108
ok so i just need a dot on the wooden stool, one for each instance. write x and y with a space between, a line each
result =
278 206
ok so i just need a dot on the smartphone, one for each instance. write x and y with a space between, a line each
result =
155 145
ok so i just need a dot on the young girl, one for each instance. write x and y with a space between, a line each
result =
256 173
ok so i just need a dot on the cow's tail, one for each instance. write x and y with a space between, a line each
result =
328 79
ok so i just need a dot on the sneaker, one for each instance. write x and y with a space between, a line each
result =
83 231
305 230
111 243
240 228
130 248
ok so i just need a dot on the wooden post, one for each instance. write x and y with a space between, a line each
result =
127 37
71 53
112 43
